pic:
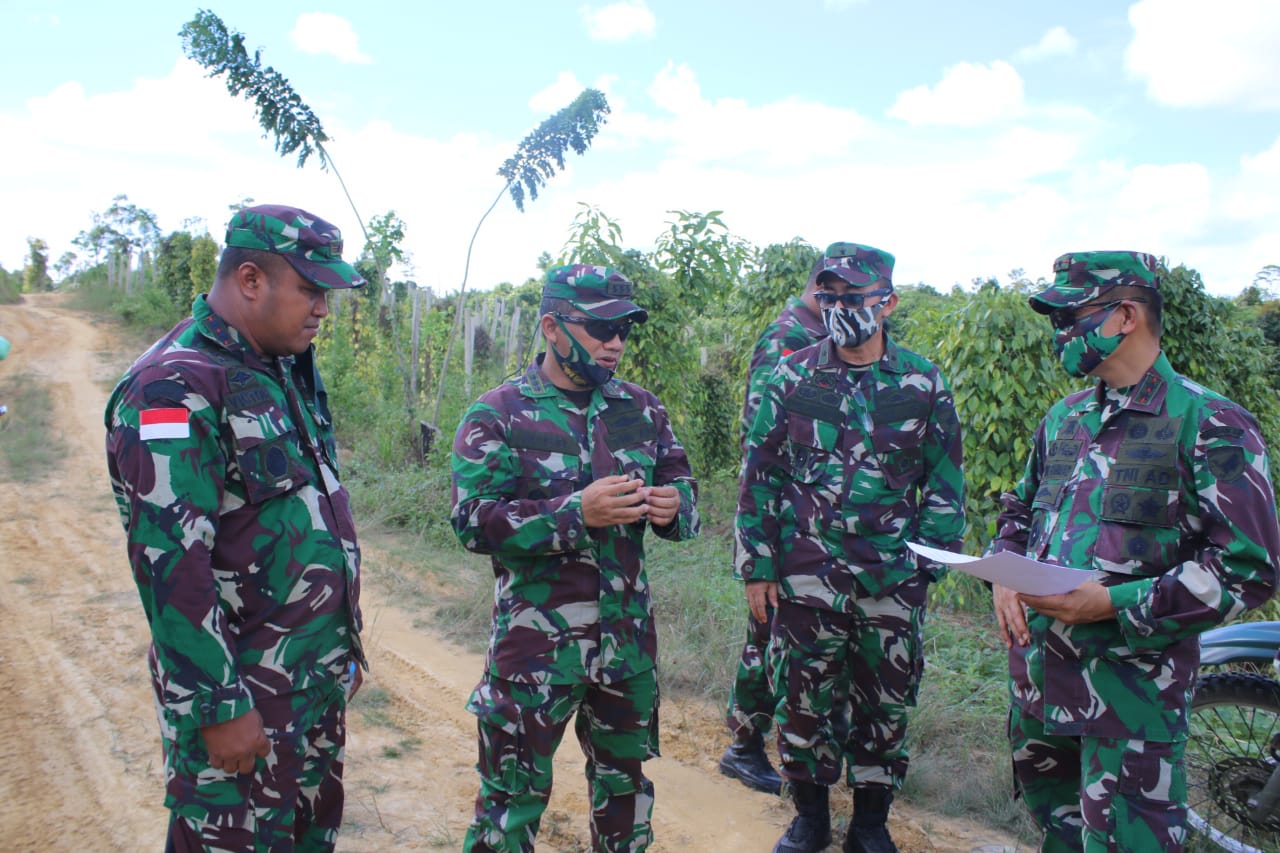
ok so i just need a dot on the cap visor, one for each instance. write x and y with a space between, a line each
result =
857 278
336 276
612 309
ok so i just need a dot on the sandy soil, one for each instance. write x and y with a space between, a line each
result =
81 767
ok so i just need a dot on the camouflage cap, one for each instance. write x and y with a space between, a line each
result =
312 246
599 292
857 264
1081 277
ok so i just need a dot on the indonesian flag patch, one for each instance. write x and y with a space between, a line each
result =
164 423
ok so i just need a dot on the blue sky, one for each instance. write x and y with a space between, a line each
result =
968 139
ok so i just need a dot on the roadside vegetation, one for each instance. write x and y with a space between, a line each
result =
382 353
31 443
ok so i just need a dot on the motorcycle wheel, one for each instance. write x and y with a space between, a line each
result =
1234 728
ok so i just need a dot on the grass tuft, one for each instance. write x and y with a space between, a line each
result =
31 445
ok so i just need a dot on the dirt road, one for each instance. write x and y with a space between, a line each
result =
81 765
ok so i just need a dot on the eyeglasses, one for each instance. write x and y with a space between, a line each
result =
850 298
1064 318
601 330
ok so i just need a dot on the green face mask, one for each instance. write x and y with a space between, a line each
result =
1082 346
578 365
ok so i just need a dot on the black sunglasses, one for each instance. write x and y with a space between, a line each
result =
850 298
601 330
1064 318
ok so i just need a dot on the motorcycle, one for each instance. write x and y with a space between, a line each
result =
1233 746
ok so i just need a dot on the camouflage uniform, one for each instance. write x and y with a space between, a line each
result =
1164 487
751 703
244 552
573 626
843 467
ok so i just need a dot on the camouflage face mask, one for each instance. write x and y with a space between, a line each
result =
1081 347
852 327
578 365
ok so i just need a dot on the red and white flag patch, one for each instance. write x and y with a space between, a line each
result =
164 423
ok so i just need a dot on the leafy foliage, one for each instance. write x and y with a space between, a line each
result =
1213 342
204 265
280 110
10 287
121 231
35 275
173 269
778 272
541 153
998 357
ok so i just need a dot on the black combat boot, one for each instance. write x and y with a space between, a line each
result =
869 831
811 829
746 761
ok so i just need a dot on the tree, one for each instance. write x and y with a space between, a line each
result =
778 272
1268 278
204 264
122 231
281 112
537 158
1220 345
35 275
65 265
997 355
382 250
295 127
173 269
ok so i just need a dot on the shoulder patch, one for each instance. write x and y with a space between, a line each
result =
1225 463
166 390
164 423
1228 432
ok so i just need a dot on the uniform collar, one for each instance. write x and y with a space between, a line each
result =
890 360
223 334
534 383
1148 394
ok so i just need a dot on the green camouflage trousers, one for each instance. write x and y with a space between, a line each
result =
752 702
846 682
291 802
520 727
1100 794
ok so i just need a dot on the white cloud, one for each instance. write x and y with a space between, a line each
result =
619 21
1055 42
951 206
783 134
968 94
1162 204
321 33
1194 55
558 95
561 93
1254 198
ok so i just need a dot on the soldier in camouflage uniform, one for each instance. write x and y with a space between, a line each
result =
557 474
1161 487
751 701
221 454
856 449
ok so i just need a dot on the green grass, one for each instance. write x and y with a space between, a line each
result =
404 747
31 443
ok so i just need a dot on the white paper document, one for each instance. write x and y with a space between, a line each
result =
1012 570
